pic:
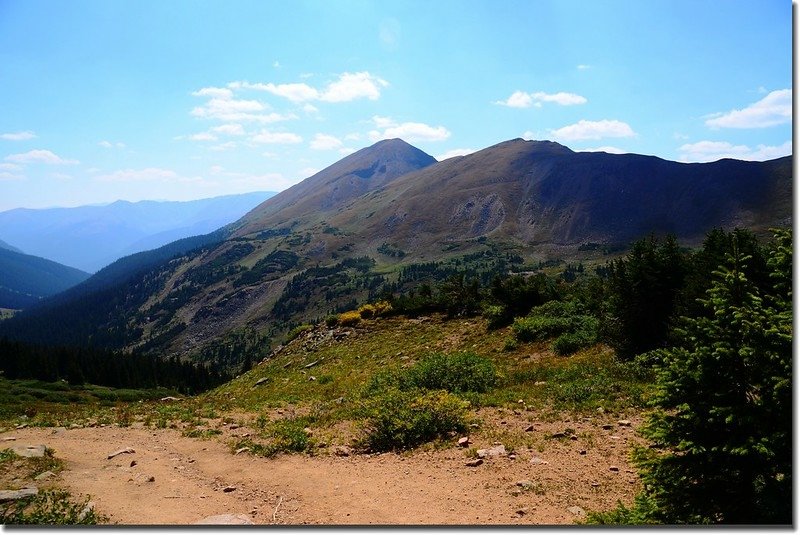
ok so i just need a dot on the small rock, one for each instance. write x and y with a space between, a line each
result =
474 462
312 378
229 488
608 426
512 456
539 383
261 381
21 426
44 475
226 519
11 495
8 439
463 442
241 450
133 463
614 468
538 460
120 452
233 426
151 479
30 451
595 484
529 428
308 431
577 511
170 398
311 364
558 435
582 452
474 426
522 511
525 484
495 451
624 423
342 451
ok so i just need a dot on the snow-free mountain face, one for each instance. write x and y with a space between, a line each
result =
342 233
26 279
91 237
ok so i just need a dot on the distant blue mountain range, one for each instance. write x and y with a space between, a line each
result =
91 237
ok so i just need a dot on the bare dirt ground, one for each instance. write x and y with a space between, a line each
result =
179 480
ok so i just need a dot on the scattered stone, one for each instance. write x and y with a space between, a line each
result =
577 511
474 426
11 495
601 410
559 435
44 475
21 426
529 428
582 452
242 450
614 468
85 511
151 479
170 398
525 484
495 451
614 437
608 426
312 364
8 439
30 451
308 431
133 463
512 456
120 452
539 460
261 381
595 484
463 442
229 488
522 511
226 519
474 462
233 426
573 437
342 451
624 423
539 383
58 430
312 378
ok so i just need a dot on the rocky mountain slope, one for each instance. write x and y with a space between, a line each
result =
26 279
334 239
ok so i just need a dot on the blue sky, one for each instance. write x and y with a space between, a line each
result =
112 99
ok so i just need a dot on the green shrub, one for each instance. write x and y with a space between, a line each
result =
49 507
571 342
285 436
459 372
398 420
496 315
536 328
347 319
297 331
332 320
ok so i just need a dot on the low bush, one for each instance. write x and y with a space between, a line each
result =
347 319
297 331
49 507
459 372
398 419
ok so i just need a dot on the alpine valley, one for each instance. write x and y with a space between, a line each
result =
387 219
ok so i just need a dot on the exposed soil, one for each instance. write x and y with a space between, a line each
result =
181 480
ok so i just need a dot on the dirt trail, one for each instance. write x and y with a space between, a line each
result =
190 477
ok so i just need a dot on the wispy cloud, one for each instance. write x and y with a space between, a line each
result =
772 110
149 174
521 99
325 142
40 156
710 151
109 145
408 131
348 87
607 148
584 129
266 137
452 153
18 136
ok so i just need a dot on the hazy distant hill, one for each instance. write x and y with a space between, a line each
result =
337 237
4 245
26 279
90 237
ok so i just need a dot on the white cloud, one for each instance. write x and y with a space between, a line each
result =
521 99
453 153
584 129
18 136
10 167
233 129
325 142
583 67
216 169
607 148
407 131
61 176
355 136
110 145
294 92
772 110
203 136
216 92
276 138
344 151
351 86
276 64
228 145
39 156
308 171
710 151
6 175
530 136
310 108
